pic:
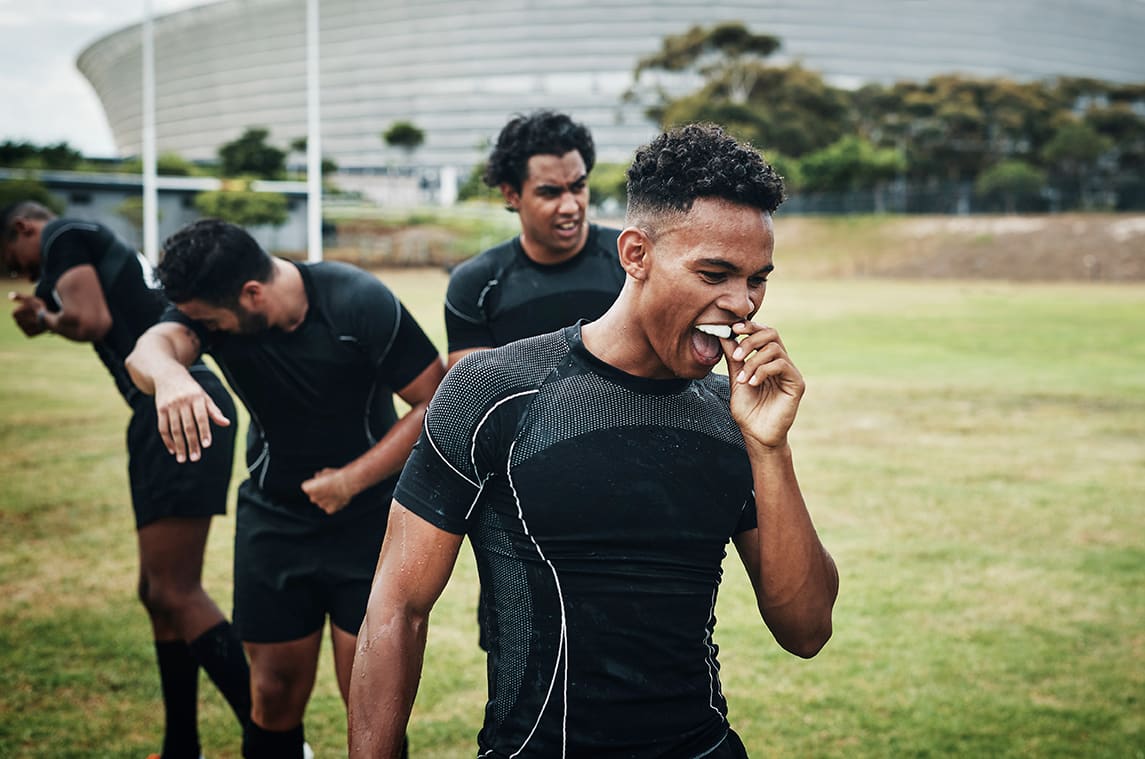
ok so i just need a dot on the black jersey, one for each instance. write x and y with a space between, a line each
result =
321 395
124 276
503 295
599 506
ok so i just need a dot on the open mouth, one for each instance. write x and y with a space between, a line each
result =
706 342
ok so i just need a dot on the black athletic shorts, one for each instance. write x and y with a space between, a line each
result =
293 571
162 487
731 747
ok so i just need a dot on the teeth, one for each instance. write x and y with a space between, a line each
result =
719 330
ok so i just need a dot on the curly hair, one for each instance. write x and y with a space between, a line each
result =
539 133
210 260
698 161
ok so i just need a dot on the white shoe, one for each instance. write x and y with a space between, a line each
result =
307 752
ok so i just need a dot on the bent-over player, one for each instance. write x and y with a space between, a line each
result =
316 353
93 288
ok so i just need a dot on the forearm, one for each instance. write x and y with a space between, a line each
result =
386 457
154 358
798 581
68 325
387 667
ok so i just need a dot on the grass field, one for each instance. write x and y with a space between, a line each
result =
973 454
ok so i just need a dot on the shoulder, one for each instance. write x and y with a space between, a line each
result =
343 287
718 385
477 271
61 230
488 375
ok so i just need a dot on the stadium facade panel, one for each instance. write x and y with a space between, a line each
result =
459 68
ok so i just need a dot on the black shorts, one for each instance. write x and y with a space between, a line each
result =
161 487
292 571
731 747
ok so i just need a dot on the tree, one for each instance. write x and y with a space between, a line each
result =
725 51
167 165
28 155
18 190
785 109
1016 182
251 155
243 207
851 163
327 165
1073 153
405 136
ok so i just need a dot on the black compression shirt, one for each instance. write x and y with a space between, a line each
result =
123 276
321 395
502 295
599 506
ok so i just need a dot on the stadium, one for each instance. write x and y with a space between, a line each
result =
457 69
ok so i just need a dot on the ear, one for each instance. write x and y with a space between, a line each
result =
634 248
251 295
511 196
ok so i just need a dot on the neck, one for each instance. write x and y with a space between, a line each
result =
288 297
617 338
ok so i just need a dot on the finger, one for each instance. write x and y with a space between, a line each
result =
202 418
164 427
191 432
216 414
176 442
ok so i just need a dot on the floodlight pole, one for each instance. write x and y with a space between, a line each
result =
150 188
313 139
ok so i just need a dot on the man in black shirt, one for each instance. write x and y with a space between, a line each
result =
560 268
316 353
599 473
94 288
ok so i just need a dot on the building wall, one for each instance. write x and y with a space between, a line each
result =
459 69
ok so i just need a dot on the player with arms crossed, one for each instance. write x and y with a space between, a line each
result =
600 472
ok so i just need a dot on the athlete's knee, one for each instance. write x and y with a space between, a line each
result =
162 597
278 698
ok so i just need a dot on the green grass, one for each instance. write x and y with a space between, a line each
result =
973 454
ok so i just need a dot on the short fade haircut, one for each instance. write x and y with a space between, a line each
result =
22 209
210 260
697 161
539 133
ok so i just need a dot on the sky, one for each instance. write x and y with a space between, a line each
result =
45 98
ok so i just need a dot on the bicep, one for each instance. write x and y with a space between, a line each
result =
747 545
82 301
457 355
415 563
177 340
422 388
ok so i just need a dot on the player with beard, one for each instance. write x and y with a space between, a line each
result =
316 353
600 472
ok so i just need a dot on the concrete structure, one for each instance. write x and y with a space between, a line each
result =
459 68
101 197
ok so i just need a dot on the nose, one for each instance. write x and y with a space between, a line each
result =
570 202
737 299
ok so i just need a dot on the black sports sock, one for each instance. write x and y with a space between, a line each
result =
259 743
179 678
220 652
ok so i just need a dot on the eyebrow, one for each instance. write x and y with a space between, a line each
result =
728 266
553 186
